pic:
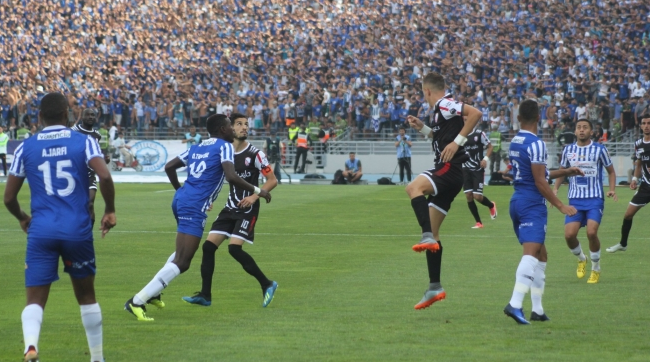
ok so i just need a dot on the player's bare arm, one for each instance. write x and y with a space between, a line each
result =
637 173
170 170
539 174
558 182
107 189
417 125
269 185
233 178
14 184
488 153
471 116
611 174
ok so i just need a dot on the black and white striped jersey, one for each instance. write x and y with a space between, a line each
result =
446 121
642 152
475 146
94 134
249 163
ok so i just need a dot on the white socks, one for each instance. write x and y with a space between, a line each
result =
157 284
578 252
537 288
595 260
523 280
91 317
171 258
32 318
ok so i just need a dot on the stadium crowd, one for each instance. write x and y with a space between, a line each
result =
156 67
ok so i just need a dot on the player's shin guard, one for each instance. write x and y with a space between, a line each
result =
474 210
157 284
625 231
537 288
523 280
421 208
32 318
91 317
487 202
434 263
248 263
207 268
595 260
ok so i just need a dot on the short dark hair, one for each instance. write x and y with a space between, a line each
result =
54 108
215 122
529 111
353 153
234 116
591 126
434 80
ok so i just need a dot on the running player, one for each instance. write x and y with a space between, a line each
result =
474 174
88 118
642 196
449 131
55 163
528 211
207 165
237 219
586 195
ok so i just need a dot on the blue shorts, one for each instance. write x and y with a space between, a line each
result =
189 219
588 209
529 220
42 260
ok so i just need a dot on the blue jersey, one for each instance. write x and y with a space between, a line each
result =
526 149
205 174
55 163
591 159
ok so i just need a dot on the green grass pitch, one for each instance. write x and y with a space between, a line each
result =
348 282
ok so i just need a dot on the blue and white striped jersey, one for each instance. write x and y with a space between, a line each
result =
205 175
591 159
526 149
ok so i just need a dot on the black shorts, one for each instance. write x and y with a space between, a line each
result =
92 182
240 226
642 196
447 180
473 181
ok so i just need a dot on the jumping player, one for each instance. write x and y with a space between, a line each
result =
474 174
448 129
55 163
586 195
642 196
88 118
528 211
207 165
237 219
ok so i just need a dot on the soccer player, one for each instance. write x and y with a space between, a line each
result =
586 195
528 211
207 165
448 130
237 219
474 174
55 163
642 196
88 118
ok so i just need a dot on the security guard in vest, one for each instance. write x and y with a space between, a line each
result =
302 147
272 147
4 140
495 158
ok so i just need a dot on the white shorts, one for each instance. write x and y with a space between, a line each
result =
117 118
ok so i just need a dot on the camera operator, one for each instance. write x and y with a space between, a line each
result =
272 147
403 145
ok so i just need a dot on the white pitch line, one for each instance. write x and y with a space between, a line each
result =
164 191
445 236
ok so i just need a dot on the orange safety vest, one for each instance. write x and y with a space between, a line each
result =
301 141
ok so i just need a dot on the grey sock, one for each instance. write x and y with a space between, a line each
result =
435 286
427 235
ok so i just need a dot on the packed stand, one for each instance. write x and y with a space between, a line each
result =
342 68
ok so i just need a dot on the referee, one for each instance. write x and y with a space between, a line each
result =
449 124
403 145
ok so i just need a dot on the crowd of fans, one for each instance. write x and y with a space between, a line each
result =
155 67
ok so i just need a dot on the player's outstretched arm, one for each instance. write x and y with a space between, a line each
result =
565 172
558 182
14 184
233 178
107 189
539 174
270 184
170 170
